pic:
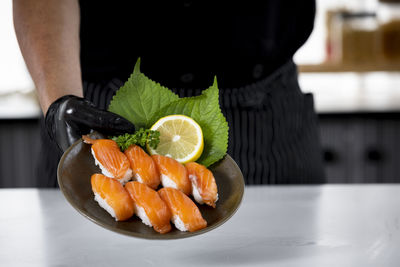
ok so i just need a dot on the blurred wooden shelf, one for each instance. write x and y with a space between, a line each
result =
330 67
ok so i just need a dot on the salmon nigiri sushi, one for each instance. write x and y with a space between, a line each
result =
185 214
143 167
112 197
172 173
149 207
204 188
112 162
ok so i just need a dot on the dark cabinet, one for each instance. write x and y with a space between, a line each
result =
361 148
19 152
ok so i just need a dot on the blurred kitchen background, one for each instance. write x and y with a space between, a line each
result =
351 63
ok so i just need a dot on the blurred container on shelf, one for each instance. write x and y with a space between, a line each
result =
352 37
388 15
332 47
359 37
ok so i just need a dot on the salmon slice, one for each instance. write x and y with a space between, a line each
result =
185 214
204 187
172 173
149 206
143 167
112 162
112 197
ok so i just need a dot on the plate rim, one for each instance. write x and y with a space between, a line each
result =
140 235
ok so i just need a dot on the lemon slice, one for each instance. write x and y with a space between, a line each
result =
181 138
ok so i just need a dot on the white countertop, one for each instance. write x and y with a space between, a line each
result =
350 225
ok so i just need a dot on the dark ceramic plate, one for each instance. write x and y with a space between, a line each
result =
77 165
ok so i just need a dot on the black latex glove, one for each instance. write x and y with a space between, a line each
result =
69 117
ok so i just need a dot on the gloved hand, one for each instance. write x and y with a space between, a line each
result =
69 117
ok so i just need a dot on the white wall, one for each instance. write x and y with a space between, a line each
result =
13 72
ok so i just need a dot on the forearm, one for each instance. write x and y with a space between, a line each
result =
48 35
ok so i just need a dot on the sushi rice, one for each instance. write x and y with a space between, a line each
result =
177 221
138 178
141 213
195 190
103 203
168 182
127 177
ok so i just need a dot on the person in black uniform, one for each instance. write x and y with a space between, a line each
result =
80 53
